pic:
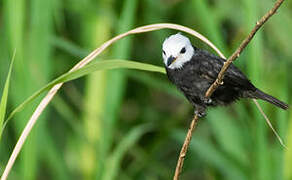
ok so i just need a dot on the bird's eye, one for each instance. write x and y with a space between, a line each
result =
163 52
183 50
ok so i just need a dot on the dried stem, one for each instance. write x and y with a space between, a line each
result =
185 147
270 124
219 81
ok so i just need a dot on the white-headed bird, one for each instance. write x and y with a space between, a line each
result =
194 70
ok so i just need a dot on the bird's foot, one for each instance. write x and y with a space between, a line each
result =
200 111
207 100
200 114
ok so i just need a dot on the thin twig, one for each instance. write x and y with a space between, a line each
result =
45 101
185 147
219 81
270 124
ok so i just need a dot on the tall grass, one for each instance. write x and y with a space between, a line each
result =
95 128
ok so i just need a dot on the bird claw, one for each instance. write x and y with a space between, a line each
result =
200 113
207 100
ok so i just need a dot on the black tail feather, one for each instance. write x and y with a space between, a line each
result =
261 95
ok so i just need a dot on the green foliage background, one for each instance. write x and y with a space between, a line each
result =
129 124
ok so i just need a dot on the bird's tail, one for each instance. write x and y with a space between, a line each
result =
261 95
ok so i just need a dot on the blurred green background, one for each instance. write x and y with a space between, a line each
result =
126 124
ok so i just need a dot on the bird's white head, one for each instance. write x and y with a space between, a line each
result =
176 50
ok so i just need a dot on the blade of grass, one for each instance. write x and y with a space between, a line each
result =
38 55
70 117
254 64
232 145
116 88
288 154
209 23
282 117
69 47
213 156
15 11
95 91
54 158
144 160
97 66
4 98
152 82
113 163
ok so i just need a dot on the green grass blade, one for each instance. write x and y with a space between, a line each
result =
208 152
54 159
92 156
223 126
117 87
254 64
101 65
108 65
288 153
69 47
155 83
4 98
38 54
209 22
113 163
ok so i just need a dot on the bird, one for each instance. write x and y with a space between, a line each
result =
193 70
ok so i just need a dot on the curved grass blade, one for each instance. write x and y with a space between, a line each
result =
4 98
113 163
100 65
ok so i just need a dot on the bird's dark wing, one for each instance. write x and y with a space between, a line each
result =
210 66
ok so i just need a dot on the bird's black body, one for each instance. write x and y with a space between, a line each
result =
197 75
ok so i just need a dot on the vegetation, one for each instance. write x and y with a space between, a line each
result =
128 124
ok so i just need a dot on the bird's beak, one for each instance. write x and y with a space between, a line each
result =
170 60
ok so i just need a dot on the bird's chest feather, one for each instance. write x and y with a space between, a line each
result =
188 79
